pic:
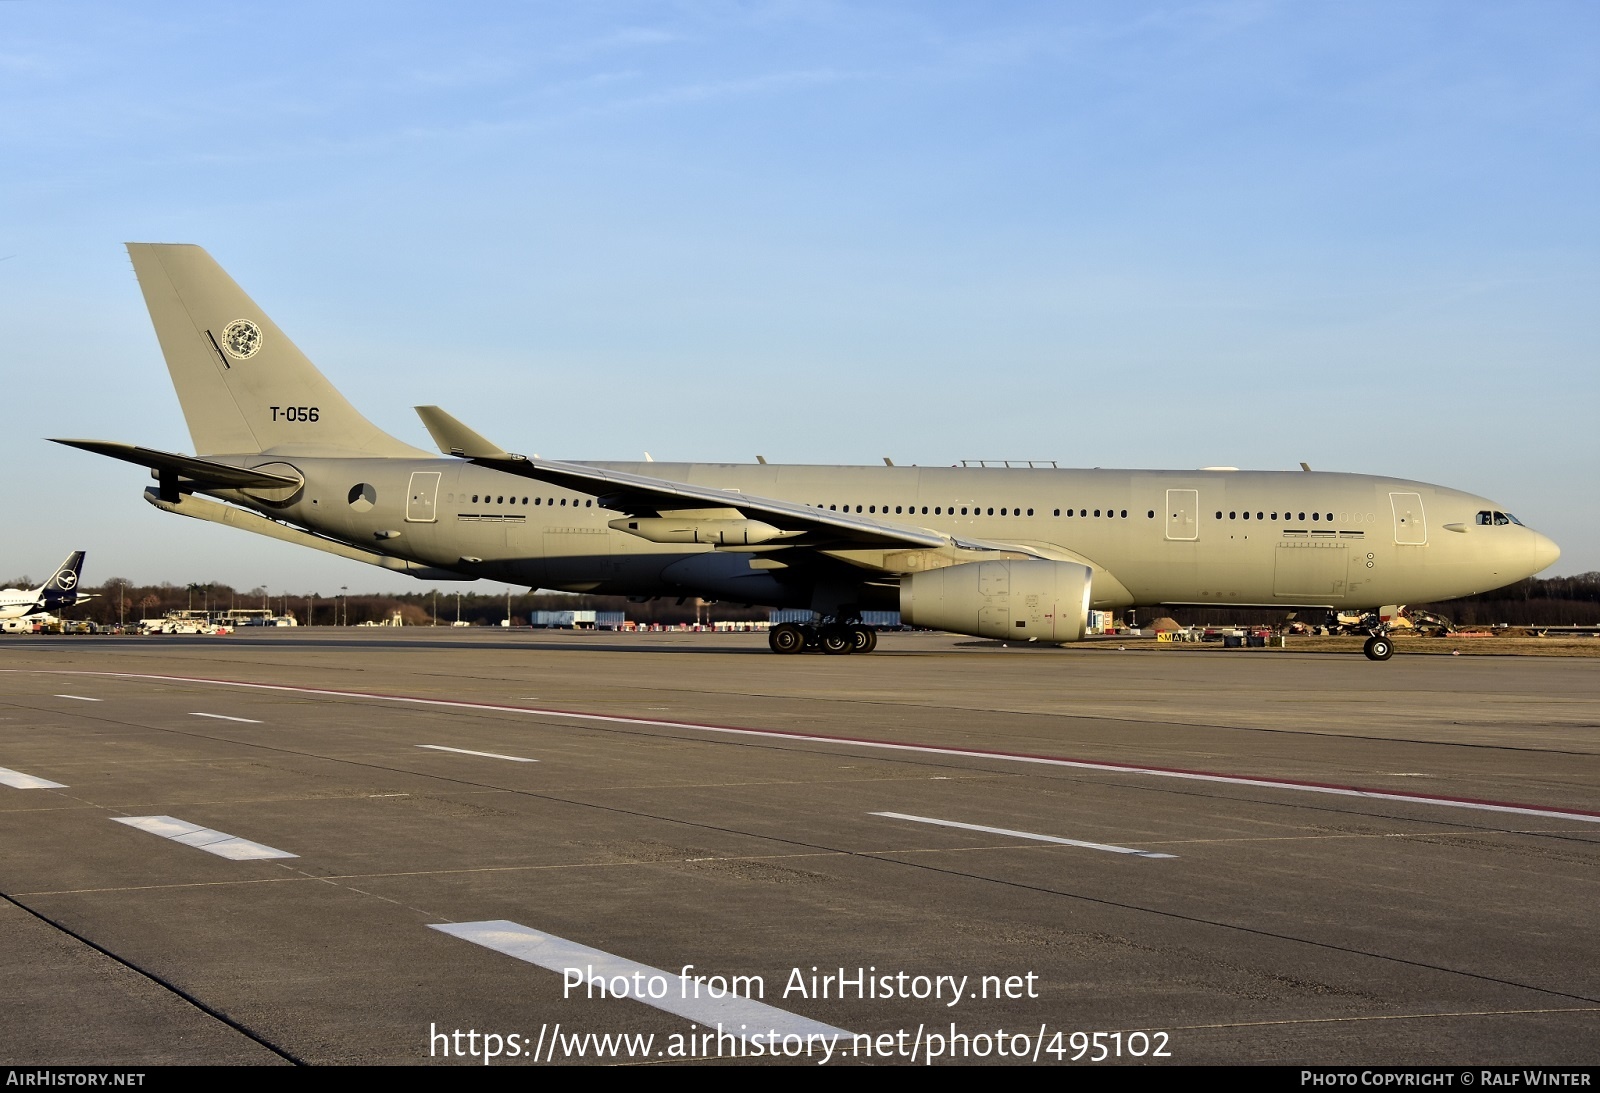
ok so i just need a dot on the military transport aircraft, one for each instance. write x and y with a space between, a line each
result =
61 590
1019 553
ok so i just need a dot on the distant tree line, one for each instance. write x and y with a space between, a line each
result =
479 608
1537 601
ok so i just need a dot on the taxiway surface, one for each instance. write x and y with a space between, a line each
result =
1257 856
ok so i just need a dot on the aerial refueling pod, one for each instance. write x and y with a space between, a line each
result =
682 529
1042 601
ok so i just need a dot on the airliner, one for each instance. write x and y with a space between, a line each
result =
1018 553
61 590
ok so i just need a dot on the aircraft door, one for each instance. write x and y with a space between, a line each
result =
1183 515
1410 523
422 497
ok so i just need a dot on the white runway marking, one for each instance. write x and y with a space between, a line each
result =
225 717
81 698
219 843
672 991
484 754
17 780
1024 835
1579 815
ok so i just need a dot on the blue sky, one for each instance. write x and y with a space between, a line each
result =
1121 234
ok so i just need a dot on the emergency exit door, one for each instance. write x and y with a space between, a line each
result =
422 499
1183 515
1410 524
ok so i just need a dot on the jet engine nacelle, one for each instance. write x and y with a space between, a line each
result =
1044 601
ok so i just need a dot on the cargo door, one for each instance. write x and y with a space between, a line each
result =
422 497
576 559
1183 515
1410 524
1309 572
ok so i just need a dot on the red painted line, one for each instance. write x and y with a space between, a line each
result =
1583 815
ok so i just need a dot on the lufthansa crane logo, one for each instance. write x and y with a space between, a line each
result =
67 580
242 338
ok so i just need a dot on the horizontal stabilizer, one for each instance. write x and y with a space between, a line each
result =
456 439
200 471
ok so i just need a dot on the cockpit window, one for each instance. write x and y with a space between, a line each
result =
1514 520
1485 518
1501 518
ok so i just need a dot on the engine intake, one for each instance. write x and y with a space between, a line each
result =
1044 601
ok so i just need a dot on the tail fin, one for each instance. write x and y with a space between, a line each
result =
243 385
63 583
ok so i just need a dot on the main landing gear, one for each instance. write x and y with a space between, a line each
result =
836 639
1379 647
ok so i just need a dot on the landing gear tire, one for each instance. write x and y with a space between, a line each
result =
863 638
1378 647
786 638
837 641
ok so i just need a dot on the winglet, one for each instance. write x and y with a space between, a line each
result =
456 439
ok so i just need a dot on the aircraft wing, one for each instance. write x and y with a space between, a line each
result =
199 471
637 494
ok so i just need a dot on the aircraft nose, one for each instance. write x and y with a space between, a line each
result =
1545 552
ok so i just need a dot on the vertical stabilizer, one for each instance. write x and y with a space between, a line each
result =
66 576
243 385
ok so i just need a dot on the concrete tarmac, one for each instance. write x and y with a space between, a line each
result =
1242 856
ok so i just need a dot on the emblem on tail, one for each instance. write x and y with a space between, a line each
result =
242 338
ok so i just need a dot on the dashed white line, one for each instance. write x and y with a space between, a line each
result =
211 841
1025 835
483 754
675 992
1387 795
17 780
225 717
81 698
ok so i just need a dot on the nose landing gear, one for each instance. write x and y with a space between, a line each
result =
1378 647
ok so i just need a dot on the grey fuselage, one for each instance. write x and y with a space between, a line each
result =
1152 537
